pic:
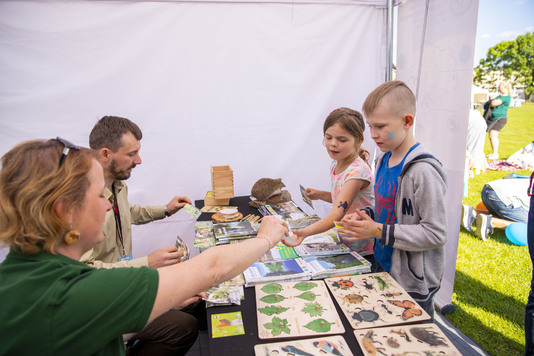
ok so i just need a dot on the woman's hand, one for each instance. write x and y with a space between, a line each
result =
273 229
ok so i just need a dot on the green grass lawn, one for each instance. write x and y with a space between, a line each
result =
492 278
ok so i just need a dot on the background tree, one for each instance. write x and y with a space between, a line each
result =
513 60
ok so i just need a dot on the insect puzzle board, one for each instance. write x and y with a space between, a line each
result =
328 345
374 300
418 339
296 309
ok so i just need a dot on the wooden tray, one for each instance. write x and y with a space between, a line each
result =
217 217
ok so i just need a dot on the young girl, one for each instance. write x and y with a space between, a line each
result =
351 176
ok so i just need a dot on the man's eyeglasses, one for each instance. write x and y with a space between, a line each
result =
68 146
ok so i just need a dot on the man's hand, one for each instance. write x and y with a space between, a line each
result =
177 203
360 226
164 256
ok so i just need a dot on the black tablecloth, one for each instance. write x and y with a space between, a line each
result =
244 344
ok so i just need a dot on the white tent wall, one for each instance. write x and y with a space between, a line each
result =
435 48
247 84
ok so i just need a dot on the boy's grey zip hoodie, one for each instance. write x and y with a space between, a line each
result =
420 233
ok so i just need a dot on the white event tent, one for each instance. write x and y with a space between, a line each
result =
240 83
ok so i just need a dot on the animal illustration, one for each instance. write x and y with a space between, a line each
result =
369 344
327 346
392 343
409 310
428 336
353 298
343 284
295 350
381 283
401 333
268 191
386 307
391 294
365 315
367 285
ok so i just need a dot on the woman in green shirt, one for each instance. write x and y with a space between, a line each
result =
498 117
52 207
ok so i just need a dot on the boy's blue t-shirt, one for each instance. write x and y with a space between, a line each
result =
387 180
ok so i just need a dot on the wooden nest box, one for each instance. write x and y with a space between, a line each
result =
222 182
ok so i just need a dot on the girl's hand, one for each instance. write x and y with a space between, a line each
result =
313 194
298 236
360 226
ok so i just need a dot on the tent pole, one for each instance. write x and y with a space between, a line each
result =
389 42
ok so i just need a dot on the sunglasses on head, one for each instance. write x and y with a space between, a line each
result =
68 146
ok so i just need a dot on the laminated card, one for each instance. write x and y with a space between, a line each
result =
373 300
327 345
418 339
296 309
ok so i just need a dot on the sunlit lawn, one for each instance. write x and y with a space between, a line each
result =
492 278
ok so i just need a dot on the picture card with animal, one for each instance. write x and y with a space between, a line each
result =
287 270
374 300
287 211
305 197
192 210
323 244
417 339
336 265
326 345
301 223
296 309
227 324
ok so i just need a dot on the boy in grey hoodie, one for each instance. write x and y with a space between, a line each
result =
409 221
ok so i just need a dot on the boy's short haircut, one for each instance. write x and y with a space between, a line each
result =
400 98
108 132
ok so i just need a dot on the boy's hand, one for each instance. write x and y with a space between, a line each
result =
360 226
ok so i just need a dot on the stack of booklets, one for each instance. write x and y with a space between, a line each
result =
204 236
237 230
288 270
314 267
337 265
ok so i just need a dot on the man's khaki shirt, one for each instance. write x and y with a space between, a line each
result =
106 254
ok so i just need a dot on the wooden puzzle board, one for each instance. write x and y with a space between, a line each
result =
329 345
374 300
419 339
296 309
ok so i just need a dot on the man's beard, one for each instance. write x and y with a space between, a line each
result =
118 174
